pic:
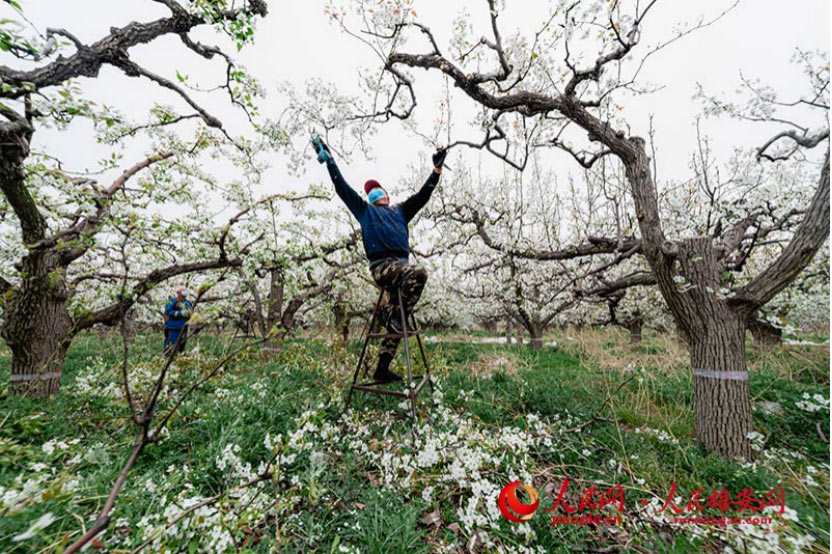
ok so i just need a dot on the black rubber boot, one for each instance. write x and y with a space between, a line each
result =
383 373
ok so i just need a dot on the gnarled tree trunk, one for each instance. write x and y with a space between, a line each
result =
275 309
720 385
37 327
634 326
536 336
342 320
716 335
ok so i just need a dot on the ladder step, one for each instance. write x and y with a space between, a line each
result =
376 390
392 335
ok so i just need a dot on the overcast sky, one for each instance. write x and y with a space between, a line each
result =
296 42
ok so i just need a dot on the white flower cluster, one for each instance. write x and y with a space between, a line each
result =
814 403
663 436
756 439
41 481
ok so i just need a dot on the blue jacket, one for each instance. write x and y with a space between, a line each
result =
383 228
178 313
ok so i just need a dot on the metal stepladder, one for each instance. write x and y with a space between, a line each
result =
412 389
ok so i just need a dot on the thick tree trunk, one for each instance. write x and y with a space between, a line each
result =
682 338
490 326
634 327
509 325
520 333
342 322
129 331
765 334
536 336
274 310
716 335
720 384
37 327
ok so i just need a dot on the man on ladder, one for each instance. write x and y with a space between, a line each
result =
385 237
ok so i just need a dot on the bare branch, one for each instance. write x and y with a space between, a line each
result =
111 314
110 50
594 245
582 156
497 45
800 140
133 69
638 279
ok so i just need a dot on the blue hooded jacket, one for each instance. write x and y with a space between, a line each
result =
383 228
178 313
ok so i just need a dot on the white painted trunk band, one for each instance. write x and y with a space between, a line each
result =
727 375
33 376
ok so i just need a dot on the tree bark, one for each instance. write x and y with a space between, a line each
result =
682 337
274 309
520 333
342 322
716 334
765 334
722 406
634 326
509 325
37 327
536 336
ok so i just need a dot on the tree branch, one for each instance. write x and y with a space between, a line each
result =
110 315
87 60
800 140
91 223
807 240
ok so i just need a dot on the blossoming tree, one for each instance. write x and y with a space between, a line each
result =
60 218
538 90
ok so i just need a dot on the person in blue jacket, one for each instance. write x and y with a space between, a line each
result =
177 313
385 237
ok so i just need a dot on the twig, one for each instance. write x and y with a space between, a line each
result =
266 474
595 416
143 436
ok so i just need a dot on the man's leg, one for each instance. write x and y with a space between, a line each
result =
170 339
184 339
393 276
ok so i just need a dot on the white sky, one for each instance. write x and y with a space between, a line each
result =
296 42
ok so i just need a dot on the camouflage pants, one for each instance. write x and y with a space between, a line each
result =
393 275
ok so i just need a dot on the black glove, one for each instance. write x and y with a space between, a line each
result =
439 157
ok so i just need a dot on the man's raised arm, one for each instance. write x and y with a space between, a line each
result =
352 199
412 205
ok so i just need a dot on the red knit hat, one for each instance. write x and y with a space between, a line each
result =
370 185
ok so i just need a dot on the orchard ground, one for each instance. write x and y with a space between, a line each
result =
340 484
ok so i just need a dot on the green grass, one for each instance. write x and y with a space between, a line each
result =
330 493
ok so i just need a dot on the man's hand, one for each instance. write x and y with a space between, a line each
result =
321 149
439 157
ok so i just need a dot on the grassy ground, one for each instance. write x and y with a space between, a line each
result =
341 484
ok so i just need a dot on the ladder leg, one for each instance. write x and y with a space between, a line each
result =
410 389
369 329
422 352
